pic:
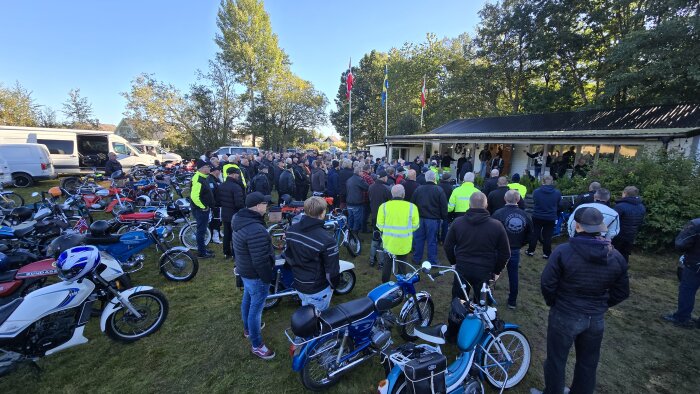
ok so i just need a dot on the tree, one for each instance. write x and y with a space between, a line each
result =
78 112
17 107
248 46
47 118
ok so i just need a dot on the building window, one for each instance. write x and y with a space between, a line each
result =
607 152
629 150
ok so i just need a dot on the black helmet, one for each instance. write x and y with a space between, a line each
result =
62 243
22 213
287 199
305 322
99 228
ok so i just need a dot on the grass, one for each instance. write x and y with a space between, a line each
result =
200 348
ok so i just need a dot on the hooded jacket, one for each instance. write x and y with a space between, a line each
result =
477 244
313 255
631 211
688 241
252 246
431 201
547 200
517 224
585 276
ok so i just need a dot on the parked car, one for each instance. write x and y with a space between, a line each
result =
159 153
5 173
27 163
238 150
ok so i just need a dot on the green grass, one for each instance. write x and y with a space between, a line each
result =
200 348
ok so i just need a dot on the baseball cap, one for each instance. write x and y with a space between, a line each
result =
256 198
201 163
590 219
232 170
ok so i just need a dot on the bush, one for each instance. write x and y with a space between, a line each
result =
668 186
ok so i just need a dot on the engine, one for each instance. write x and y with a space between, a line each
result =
51 331
380 337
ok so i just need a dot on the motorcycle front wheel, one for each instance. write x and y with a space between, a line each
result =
178 265
354 244
123 326
346 282
411 319
518 348
188 236
273 302
70 184
321 361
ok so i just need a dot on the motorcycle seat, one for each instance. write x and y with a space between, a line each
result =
137 216
433 334
101 240
21 231
348 312
7 276
6 310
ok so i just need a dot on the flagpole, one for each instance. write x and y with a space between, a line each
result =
350 121
422 93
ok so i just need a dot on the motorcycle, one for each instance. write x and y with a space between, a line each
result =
283 286
329 343
53 318
108 200
18 280
489 348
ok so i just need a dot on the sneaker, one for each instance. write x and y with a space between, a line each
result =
511 306
246 334
530 254
205 255
545 256
263 352
538 391
682 324
372 263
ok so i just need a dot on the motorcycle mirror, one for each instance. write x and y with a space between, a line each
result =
35 194
426 266
116 174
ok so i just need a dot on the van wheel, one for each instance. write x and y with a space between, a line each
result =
20 179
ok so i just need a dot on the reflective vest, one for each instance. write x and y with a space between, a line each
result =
436 171
397 220
459 199
522 189
227 166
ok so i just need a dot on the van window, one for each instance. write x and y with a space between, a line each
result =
222 151
120 148
58 147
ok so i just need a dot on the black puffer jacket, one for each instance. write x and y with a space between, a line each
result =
343 176
431 201
631 212
261 183
355 187
286 185
313 255
585 276
252 246
688 241
231 198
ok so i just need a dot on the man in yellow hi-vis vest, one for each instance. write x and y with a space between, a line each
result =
515 184
397 220
232 164
459 199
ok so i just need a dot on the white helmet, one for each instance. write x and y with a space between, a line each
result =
74 263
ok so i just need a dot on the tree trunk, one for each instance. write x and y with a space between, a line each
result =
252 110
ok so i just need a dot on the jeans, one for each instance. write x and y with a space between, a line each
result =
624 247
201 216
254 294
375 257
482 171
228 237
355 215
215 222
427 231
586 334
538 169
690 283
513 265
444 226
365 217
321 300
545 228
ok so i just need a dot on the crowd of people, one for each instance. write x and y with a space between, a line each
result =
412 207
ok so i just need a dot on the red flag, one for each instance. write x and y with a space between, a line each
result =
422 94
349 79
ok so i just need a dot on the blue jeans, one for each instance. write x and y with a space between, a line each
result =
444 226
482 171
690 283
254 294
586 334
513 265
321 300
355 215
201 216
427 231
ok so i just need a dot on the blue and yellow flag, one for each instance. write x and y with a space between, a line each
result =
385 88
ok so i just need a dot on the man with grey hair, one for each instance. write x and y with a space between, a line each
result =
491 183
410 184
587 197
432 205
397 220
459 200
611 218
497 197
477 245
518 227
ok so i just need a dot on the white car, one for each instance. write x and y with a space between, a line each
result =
28 163
159 153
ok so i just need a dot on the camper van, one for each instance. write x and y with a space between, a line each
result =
77 151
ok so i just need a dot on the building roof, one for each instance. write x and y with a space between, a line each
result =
646 122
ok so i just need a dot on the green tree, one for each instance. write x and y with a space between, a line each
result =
78 112
17 107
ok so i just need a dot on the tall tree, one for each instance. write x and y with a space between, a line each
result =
248 46
17 107
78 111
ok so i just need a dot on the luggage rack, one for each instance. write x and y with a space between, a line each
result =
296 341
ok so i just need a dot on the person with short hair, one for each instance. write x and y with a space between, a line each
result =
545 213
313 255
631 210
610 216
332 182
491 183
261 181
409 184
318 177
587 197
344 174
379 193
214 180
459 200
688 242
112 165
356 188
497 197
203 201
286 181
397 220
231 196
432 207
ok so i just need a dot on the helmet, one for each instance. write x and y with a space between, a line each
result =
75 263
4 262
286 198
55 191
62 243
99 228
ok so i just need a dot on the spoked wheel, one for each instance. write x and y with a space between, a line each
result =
354 244
125 206
276 231
10 200
273 302
123 326
411 319
518 348
158 196
178 265
188 236
70 184
321 362
346 282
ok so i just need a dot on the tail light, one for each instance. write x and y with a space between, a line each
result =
383 386
292 349
44 166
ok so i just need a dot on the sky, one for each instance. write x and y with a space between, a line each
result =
51 47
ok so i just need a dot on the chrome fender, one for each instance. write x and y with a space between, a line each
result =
179 249
409 303
346 266
115 305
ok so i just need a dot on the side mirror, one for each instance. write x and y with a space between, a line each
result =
116 174
426 266
35 194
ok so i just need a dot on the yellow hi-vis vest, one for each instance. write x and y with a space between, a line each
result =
459 199
397 220
522 189
227 166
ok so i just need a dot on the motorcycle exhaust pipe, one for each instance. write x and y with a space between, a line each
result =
282 294
352 364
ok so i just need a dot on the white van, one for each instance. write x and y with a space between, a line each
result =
159 153
5 173
28 163
78 151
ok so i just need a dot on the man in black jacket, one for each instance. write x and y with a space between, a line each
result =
477 245
277 171
631 212
356 187
491 184
409 184
287 185
261 182
447 186
497 197
432 207
231 197
255 259
313 255
582 279
344 174
112 165
587 197
379 193
518 227
688 242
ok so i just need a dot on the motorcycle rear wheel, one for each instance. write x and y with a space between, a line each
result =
314 374
178 265
188 236
122 326
273 302
346 283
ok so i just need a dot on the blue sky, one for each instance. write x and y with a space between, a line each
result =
51 47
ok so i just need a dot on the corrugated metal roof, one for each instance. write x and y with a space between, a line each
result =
627 133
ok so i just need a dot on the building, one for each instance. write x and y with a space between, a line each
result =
592 133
